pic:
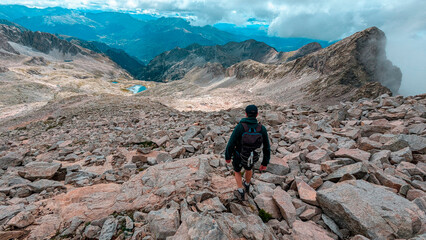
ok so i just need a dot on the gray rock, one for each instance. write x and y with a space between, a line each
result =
371 210
401 155
278 166
92 232
75 223
273 118
358 170
395 144
164 222
108 229
317 156
80 178
271 178
219 145
12 159
177 151
71 157
191 132
163 158
45 184
416 143
332 225
161 141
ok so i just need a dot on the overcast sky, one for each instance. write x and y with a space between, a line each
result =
403 21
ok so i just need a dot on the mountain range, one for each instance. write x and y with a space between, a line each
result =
141 36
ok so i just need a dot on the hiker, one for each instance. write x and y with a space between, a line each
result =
244 148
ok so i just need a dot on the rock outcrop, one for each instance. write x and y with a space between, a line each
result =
372 211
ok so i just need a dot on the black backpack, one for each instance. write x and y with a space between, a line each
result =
251 141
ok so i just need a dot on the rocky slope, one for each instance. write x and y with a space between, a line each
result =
350 69
108 167
37 67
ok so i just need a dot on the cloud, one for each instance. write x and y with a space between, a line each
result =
403 22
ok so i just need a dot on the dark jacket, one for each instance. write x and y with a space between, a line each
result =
235 140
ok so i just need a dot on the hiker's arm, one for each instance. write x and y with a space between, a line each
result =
230 148
266 147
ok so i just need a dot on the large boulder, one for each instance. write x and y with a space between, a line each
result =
371 210
39 170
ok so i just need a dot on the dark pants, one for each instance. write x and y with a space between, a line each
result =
238 164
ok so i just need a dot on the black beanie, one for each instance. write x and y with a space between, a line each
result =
251 111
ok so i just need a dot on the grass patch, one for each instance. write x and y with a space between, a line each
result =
264 215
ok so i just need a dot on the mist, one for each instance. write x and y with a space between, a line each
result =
410 56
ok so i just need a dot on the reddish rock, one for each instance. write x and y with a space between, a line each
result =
283 201
21 220
366 144
45 228
415 193
389 181
309 230
355 154
306 193
308 214
265 202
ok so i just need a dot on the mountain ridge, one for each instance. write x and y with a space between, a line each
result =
162 35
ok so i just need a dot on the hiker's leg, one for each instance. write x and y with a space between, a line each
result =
248 175
238 179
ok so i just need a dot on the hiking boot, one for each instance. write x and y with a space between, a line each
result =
246 186
240 196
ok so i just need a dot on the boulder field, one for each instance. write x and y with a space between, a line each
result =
111 168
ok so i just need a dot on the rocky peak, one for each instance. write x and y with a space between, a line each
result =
305 50
357 60
40 41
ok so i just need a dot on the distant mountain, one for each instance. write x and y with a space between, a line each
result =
353 68
174 64
141 36
120 57
36 67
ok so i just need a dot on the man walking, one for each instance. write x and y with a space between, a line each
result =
244 148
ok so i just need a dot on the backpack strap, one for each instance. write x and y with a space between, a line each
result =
245 126
259 128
